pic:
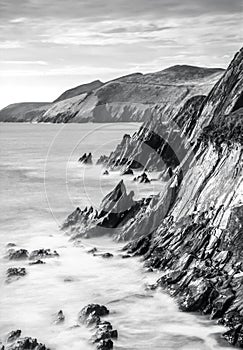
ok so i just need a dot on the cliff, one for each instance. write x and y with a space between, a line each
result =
125 99
192 232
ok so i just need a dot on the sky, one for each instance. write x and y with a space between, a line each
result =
48 46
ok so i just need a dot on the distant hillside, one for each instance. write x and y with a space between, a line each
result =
128 98
23 112
81 89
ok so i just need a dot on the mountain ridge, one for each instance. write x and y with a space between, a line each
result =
126 98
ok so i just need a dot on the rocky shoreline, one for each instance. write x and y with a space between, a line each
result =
192 232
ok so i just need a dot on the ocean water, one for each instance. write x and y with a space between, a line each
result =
41 182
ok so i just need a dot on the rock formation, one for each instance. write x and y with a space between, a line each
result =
86 159
116 209
104 333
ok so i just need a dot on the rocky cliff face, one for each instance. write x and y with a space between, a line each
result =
128 98
193 231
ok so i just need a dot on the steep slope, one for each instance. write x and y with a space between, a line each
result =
193 231
128 98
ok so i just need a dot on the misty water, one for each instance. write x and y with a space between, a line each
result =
41 183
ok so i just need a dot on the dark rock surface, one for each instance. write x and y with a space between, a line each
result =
19 254
14 273
143 178
117 208
127 171
59 317
86 159
42 254
25 343
104 333
12 336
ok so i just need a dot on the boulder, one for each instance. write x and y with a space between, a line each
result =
19 254
106 172
90 314
59 317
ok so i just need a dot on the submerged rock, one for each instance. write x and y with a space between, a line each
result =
107 255
14 273
37 262
106 172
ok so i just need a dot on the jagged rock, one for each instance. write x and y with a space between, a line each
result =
90 315
37 262
143 178
59 317
234 336
104 332
19 254
42 254
26 343
127 171
12 336
86 159
102 160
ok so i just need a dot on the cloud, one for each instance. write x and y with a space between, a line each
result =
136 29
18 20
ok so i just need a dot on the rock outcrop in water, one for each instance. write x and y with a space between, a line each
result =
14 273
14 342
86 158
116 209
104 333
125 99
193 230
